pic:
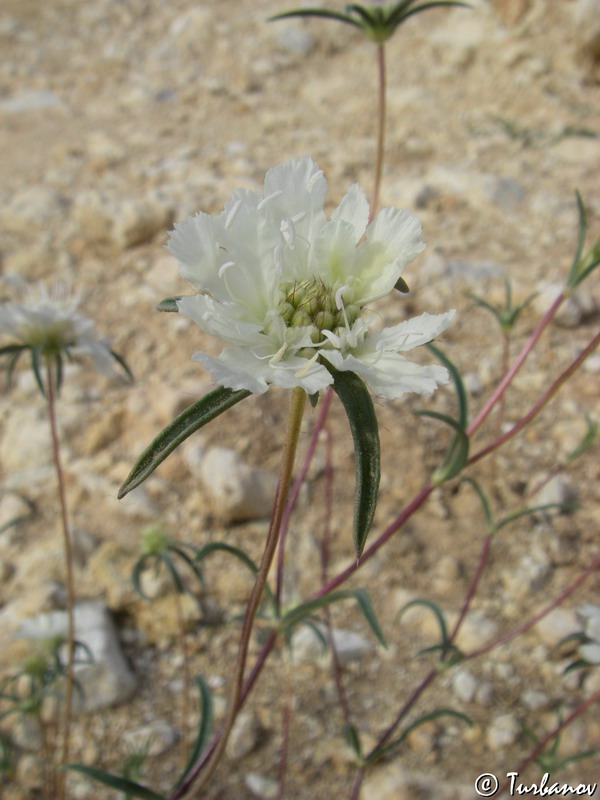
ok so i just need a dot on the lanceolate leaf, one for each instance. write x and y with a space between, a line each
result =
205 726
307 609
115 782
363 423
189 421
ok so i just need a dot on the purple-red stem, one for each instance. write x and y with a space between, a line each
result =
539 748
518 363
539 405
507 637
70 579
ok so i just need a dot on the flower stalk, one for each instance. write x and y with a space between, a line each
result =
70 581
296 412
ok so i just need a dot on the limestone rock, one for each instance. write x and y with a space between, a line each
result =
121 222
237 491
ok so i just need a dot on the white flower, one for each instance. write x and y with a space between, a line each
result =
286 287
48 321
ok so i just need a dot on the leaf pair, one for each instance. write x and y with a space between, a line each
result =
363 423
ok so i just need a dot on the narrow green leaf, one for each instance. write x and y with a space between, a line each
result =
212 547
352 739
178 549
307 609
461 393
35 365
123 364
487 512
205 726
115 782
136 574
316 12
59 372
189 421
12 348
567 506
439 712
581 663
177 581
457 453
578 757
436 4
359 408
433 607
590 435
12 363
581 234
169 304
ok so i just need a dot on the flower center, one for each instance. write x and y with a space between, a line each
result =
313 303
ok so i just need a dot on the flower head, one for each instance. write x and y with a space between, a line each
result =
48 324
287 288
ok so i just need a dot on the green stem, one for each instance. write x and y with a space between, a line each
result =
68 707
380 128
285 473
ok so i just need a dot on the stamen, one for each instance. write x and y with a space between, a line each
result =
298 217
339 303
224 267
278 355
303 370
266 199
232 212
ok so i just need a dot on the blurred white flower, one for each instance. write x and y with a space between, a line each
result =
287 288
47 322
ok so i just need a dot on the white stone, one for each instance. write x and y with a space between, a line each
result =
308 648
121 222
394 782
572 311
503 731
464 685
237 491
261 786
535 699
555 491
529 574
106 681
244 736
556 625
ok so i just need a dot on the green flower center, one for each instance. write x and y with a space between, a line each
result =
313 303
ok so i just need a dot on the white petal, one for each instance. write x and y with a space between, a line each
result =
399 231
413 332
219 319
194 245
391 375
236 368
392 240
300 372
334 252
354 208
297 188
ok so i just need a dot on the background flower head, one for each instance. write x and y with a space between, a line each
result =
48 324
286 287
